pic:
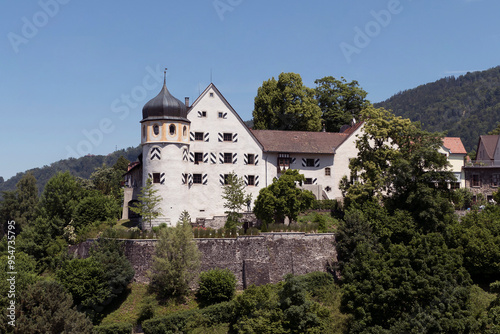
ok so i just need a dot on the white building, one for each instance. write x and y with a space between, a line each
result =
188 150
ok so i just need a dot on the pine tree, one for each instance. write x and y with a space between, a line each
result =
148 205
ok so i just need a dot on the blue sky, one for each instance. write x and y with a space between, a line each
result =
74 75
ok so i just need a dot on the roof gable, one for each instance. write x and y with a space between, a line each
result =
211 86
489 143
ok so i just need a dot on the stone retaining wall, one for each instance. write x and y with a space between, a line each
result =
253 259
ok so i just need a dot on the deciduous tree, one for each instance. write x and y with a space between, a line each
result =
176 261
283 198
340 101
235 198
286 104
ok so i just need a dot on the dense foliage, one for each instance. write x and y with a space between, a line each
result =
287 104
283 198
236 199
465 107
175 262
216 286
46 307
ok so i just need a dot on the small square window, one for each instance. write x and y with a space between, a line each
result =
211 94
203 114
228 137
198 157
328 171
156 177
198 136
197 178
309 162
228 158
308 180
251 180
221 114
251 159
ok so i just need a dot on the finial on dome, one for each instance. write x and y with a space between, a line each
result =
165 76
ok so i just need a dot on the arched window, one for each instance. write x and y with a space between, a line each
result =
172 129
143 131
156 129
184 131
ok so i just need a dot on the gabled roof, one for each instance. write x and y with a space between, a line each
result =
228 106
299 141
454 145
489 143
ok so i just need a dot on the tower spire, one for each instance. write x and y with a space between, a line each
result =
165 76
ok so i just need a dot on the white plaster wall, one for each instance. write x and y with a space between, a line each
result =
206 200
174 194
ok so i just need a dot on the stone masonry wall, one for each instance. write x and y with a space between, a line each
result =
253 259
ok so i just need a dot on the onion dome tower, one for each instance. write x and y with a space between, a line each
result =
165 149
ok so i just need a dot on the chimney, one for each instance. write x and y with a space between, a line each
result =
186 100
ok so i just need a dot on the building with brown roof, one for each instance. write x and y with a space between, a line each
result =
188 151
482 176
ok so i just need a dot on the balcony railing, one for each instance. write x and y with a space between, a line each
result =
482 163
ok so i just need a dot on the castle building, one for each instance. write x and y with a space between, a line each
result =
188 151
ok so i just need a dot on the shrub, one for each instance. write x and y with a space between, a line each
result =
113 329
186 321
147 310
216 285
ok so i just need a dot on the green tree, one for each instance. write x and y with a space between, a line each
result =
478 236
175 263
257 311
121 164
148 205
283 198
399 164
86 280
60 199
286 104
96 207
235 199
107 180
340 101
216 286
419 287
20 205
46 307
118 271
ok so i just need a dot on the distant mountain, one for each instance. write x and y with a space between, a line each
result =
81 167
467 106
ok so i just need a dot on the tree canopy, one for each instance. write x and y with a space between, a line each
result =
286 104
283 198
340 101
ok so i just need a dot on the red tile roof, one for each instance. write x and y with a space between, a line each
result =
299 141
454 144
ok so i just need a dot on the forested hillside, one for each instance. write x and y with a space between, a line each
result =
467 106
81 167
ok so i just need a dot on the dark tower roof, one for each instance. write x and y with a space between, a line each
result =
164 106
